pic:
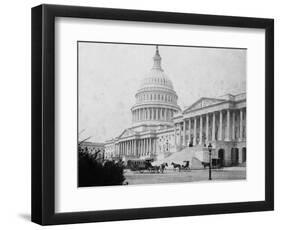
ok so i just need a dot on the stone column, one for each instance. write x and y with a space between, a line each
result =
157 113
241 126
207 128
149 145
125 148
128 148
146 114
245 123
220 127
143 147
189 130
194 131
201 131
135 147
168 114
184 132
180 143
175 134
233 125
152 146
227 138
152 113
146 145
214 127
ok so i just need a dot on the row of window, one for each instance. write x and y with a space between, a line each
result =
152 114
158 97
161 81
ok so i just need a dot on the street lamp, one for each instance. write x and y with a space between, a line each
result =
210 161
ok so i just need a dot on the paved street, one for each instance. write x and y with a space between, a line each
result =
171 176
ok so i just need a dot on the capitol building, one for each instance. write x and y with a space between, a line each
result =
162 129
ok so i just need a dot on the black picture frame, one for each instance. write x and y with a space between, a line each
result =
43 114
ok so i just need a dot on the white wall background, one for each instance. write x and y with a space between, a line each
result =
15 119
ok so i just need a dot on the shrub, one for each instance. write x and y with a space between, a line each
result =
96 172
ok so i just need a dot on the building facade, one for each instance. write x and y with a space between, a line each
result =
160 128
93 148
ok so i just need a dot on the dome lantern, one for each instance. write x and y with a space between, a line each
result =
157 60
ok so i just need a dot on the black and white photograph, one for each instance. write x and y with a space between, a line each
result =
160 113
143 114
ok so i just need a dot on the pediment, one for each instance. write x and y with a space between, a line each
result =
203 102
127 133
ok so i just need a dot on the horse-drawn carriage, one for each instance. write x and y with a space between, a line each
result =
145 165
180 167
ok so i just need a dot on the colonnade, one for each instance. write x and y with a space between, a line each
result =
137 147
223 125
144 114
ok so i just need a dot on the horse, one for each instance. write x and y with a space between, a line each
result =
206 164
176 166
162 167
155 168
186 166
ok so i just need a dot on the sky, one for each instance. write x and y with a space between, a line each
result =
109 76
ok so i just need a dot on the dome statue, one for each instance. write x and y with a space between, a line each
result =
156 99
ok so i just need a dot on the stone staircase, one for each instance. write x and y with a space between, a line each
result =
195 156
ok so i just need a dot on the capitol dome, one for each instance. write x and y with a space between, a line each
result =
156 100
